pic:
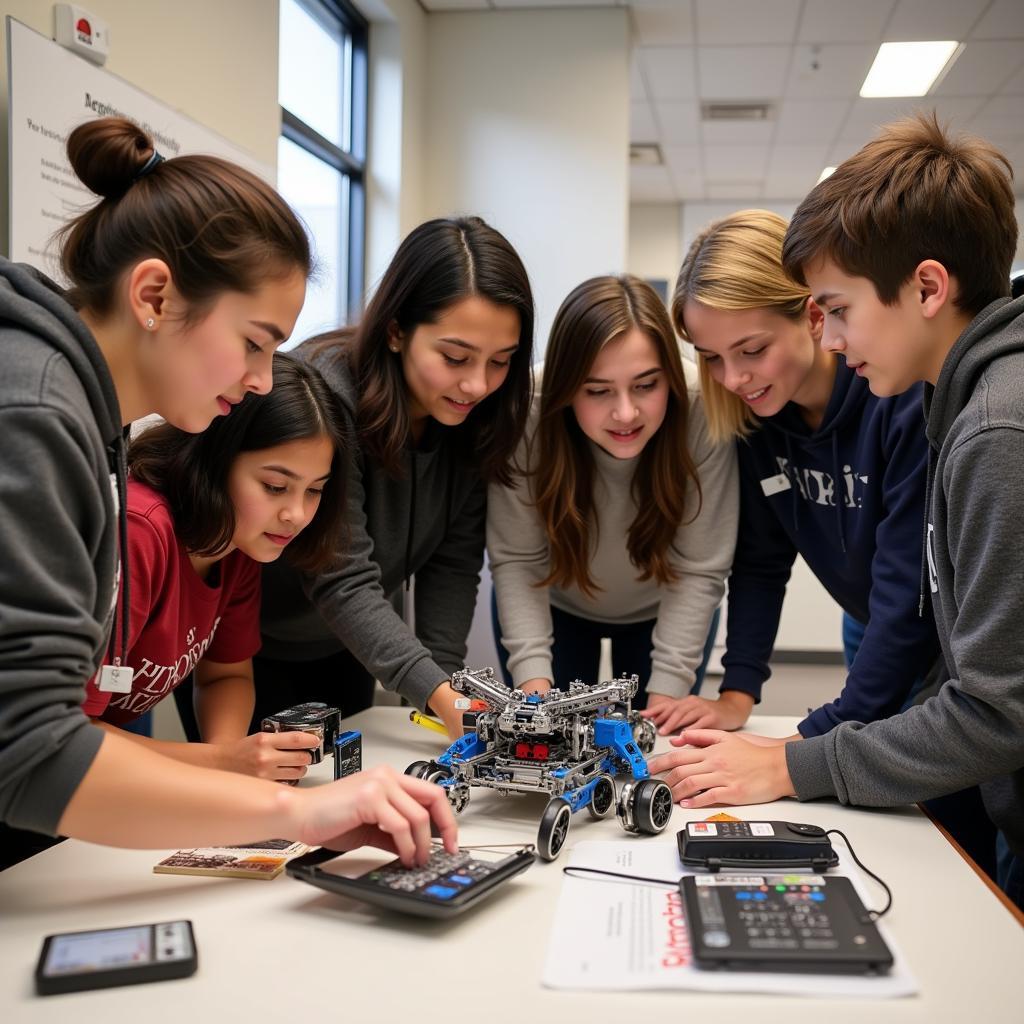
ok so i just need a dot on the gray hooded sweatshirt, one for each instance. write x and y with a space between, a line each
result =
972 730
62 464
430 522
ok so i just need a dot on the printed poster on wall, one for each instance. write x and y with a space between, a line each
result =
51 91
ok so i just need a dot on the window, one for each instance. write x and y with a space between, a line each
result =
321 155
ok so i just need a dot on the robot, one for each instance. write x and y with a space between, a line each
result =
568 744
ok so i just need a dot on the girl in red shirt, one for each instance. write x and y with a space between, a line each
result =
204 511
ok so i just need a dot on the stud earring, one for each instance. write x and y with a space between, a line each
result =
394 348
150 323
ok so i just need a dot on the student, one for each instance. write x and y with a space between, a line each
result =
204 511
435 384
827 471
622 521
907 250
184 278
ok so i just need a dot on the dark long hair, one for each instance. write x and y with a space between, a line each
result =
439 264
595 313
191 470
217 226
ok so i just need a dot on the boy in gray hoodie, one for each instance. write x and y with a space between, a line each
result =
907 249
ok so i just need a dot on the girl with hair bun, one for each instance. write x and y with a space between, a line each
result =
622 521
184 279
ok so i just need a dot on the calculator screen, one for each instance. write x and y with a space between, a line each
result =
99 951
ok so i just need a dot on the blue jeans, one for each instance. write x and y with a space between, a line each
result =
576 650
961 814
1009 871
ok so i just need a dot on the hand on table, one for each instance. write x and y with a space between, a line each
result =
730 711
268 755
376 807
712 767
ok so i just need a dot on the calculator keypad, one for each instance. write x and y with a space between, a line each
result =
779 917
443 876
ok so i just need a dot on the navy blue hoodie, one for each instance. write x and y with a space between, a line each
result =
850 498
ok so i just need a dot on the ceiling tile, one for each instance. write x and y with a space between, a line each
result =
456 5
810 120
734 163
793 170
734 22
663 22
845 148
933 19
742 72
751 133
642 126
669 71
739 190
829 71
1003 20
679 121
684 168
650 184
840 21
1014 86
1000 118
982 68
867 116
555 3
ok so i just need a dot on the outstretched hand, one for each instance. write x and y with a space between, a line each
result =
377 807
712 767
730 711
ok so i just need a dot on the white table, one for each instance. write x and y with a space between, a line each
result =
285 951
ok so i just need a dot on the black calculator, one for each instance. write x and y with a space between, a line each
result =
781 923
446 885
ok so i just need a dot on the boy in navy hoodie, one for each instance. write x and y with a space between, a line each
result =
907 248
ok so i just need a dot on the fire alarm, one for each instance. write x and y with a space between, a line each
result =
81 32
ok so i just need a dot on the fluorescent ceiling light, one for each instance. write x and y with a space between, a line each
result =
824 174
908 69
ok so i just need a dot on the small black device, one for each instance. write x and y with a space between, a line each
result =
317 719
445 886
348 753
781 923
757 845
76 961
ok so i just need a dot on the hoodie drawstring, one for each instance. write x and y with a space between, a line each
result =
837 491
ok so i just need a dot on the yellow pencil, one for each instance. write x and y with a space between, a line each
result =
427 723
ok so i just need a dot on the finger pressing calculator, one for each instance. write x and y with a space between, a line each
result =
446 885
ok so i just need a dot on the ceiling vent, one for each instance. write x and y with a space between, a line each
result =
736 111
645 154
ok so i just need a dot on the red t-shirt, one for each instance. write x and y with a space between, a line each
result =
177 618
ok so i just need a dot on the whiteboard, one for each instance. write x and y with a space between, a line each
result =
52 90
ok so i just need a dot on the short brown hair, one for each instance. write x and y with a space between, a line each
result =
218 227
913 193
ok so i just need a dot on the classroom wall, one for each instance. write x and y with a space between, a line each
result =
220 76
654 242
527 125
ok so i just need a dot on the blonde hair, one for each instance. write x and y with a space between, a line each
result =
736 264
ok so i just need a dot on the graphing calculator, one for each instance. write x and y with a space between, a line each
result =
446 885
757 845
781 923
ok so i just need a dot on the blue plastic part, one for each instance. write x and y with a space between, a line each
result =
463 748
579 798
617 735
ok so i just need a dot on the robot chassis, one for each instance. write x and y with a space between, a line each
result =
568 744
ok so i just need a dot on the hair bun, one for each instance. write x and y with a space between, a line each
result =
107 153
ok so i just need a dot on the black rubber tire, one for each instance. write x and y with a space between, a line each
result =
652 807
417 769
602 802
436 772
554 827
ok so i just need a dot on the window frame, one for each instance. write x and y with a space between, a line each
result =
350 163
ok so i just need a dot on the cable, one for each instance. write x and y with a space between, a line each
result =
618 874
873 914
